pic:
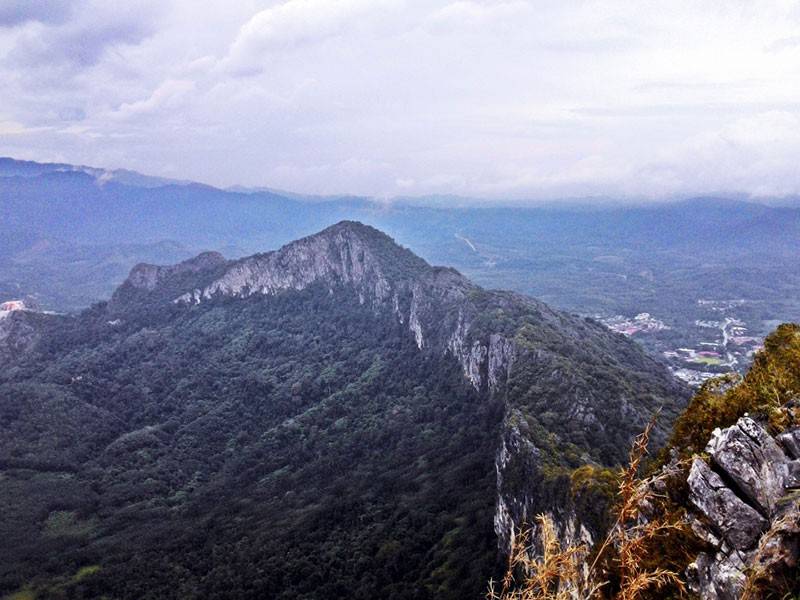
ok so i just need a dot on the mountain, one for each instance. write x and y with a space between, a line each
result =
70 234
334 419
10 167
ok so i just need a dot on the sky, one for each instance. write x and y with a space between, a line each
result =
497 99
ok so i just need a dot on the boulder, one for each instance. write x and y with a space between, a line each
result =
729 517
745 509
754 462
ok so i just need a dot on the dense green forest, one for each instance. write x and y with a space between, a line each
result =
301 446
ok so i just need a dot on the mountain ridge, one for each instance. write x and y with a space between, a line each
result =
383 273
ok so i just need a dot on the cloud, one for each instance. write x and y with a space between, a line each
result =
13 128
80 46
167 95
71 113
466 14
755 153
290 25
786 43
82 40
17 12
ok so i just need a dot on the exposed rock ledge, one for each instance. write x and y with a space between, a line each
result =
745 507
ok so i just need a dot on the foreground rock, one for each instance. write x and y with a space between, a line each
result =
745 508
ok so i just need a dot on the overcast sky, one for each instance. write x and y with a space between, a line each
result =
498 99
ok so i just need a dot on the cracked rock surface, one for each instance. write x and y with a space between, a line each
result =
744 506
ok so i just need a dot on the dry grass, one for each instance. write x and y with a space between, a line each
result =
769 577
560 571
557 573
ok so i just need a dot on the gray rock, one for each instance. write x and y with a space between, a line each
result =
733 511
793 475
19 335
148 277
718 577
731 518
753 460
790 441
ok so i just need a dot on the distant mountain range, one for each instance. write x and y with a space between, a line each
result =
334 419
69 235
10 167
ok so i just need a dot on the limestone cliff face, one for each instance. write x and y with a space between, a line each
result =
152 283
340 256
436 304
518 504
744 505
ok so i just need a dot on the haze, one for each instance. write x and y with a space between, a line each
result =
496 99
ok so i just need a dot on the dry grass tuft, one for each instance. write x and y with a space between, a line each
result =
558 573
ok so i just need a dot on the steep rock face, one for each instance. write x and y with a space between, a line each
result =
436 303
152 283
340 256
754 462
518 459
519 455
745 508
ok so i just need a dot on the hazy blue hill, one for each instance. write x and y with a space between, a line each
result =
10 167
46 197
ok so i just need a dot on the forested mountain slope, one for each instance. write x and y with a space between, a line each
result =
336 419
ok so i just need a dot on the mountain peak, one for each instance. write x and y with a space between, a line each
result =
347 253
166 282
353 227
148 277
396 260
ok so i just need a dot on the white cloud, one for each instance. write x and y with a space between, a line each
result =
167 95
466 14
49 40
13 128
290 25
16 12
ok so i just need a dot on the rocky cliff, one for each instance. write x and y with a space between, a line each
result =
438 305
732 477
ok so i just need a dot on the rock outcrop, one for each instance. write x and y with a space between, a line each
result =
149 277
745 508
